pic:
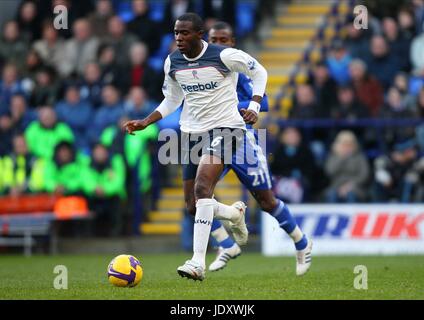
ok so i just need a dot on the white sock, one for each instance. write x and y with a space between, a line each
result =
296 234
220 234
223 212
202 229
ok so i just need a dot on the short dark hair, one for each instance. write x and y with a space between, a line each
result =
221 25
194 19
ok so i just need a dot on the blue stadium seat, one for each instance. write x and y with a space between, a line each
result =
124 11
245 17
157 9
156 60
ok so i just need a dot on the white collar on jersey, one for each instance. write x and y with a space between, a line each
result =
205 46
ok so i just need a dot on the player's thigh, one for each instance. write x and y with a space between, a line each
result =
250 165
208 174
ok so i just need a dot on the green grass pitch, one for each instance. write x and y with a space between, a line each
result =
251 276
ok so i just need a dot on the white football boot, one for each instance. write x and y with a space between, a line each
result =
192 270
303 259
239 228
224 255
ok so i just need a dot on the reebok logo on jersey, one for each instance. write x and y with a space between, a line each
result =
200 87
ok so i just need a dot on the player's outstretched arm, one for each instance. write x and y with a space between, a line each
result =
138 125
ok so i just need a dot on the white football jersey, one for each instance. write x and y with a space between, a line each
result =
207 84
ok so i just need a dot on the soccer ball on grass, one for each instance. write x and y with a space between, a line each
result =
124 271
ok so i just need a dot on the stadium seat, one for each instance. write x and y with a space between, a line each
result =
157 9
245 18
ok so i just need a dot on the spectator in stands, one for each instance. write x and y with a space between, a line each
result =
45 90
63 173
147 30
21 115
137 105
75 9
293 166
50 47
347 169
43 135
77 115
338 62
100 17
12 47
104 183
33 64
137 151
79 50
381 62
6 134
396 108
304 106
10 85
108 67
406 23
395 173
140 74
324 87
214 11
120 40
108 114
368 90
356 41
401 83
348 107
29 21
398 44
92 85
174 9
20 171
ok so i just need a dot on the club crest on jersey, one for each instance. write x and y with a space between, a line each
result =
251 65
194 72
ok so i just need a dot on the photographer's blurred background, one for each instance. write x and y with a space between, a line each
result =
345 123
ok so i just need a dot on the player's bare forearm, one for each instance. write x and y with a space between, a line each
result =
137 125
257 99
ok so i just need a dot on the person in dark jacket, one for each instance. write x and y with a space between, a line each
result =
143 27
293 167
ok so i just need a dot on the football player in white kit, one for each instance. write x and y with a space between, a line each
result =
204 76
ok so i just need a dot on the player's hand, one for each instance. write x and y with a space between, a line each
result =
249 116
134 125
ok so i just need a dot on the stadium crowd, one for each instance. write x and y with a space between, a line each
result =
363 79
64 94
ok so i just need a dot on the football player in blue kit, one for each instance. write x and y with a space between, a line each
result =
205 77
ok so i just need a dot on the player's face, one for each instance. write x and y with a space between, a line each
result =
186 37
222 37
